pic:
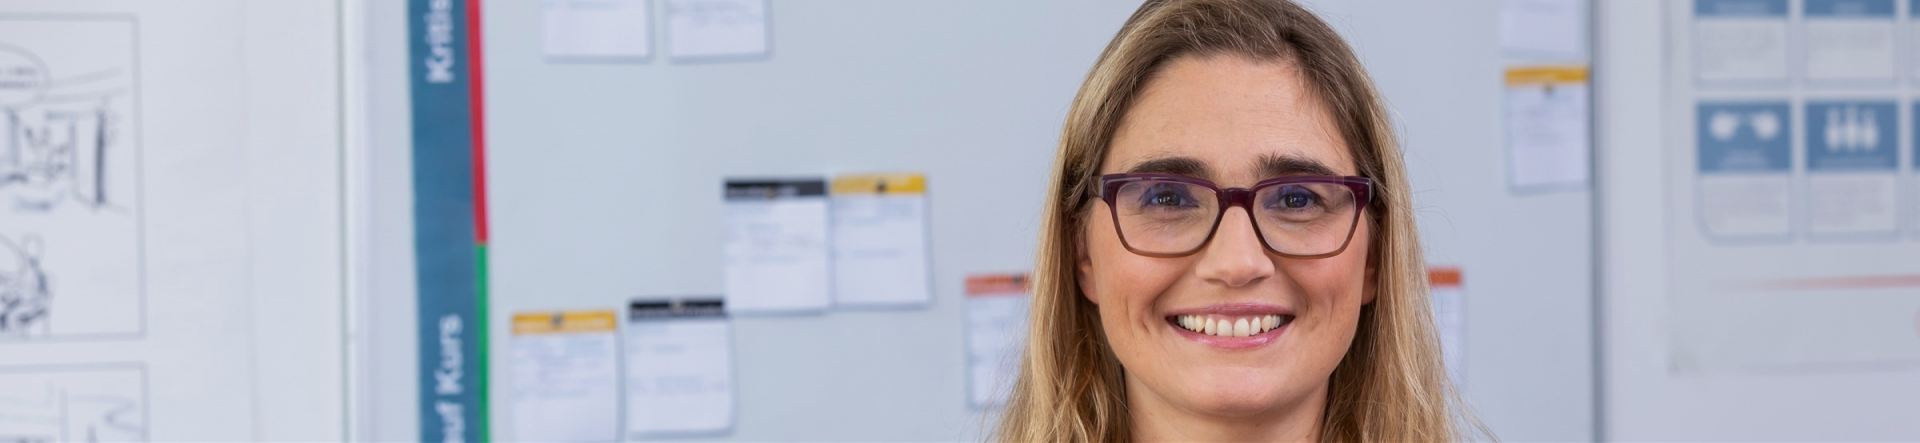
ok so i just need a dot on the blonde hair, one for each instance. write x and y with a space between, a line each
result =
1390 385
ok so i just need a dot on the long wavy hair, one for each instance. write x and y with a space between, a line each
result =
1390 385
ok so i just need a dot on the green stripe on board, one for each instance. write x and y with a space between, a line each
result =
485 382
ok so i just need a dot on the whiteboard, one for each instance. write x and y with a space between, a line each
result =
197 260
605 178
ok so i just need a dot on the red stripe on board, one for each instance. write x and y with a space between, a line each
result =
475 90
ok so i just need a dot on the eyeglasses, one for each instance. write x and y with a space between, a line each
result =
1166 215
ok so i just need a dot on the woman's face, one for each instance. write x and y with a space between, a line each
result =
1233 121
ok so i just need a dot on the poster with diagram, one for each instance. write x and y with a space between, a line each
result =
1785 189
70 208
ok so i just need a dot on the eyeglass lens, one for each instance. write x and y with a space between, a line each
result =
1171 217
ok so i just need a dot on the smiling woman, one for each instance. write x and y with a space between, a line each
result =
1228 252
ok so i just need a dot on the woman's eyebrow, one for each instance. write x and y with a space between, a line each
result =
1171 165
1278 165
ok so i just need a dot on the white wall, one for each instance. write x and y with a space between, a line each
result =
388 351
295 152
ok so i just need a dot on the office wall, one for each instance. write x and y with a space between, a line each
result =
604 181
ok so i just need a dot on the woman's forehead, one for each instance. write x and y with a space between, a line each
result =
1236 117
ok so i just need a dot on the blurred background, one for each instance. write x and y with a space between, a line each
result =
810 220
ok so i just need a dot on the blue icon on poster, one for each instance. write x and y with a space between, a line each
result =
1852 136
1849 8
1744 137
1740 8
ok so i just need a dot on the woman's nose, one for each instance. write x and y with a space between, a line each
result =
1234 256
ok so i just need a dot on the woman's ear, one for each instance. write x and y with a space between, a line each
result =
1083 265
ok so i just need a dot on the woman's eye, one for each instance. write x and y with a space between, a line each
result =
1166 199
1297 201
1167 196
1294 199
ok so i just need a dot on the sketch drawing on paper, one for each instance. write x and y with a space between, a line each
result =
57 147
82 405
24 290
69 179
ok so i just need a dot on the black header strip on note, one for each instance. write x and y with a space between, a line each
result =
672 309
775 189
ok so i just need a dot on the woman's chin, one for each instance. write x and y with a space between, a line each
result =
1234 399
1233 407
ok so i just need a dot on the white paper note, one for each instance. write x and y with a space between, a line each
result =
997 307
1547 126
597 29
679 369
565 377
1543 27
1849 40
880 240
1740 40
776 246
717 28
1450 317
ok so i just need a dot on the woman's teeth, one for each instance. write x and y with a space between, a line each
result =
1231 326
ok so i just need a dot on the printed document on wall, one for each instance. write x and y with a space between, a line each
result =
679 368
1848 40
597 29
1740 40
1548 117
565 380
997 307
880 240
776 248
698 29
1450 315
1551 28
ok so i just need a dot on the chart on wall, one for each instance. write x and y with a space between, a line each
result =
70 210
1792 186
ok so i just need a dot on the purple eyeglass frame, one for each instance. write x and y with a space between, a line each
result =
1362 188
